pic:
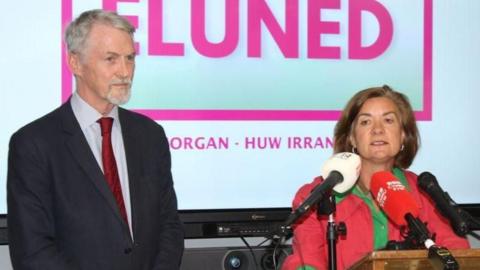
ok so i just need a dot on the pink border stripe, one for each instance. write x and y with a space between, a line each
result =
239 115
425 114
66 75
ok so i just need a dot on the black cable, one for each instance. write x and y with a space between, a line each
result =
274 257
266 239
255 261
474 234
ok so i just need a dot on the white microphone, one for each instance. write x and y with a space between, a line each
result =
340 173
348 165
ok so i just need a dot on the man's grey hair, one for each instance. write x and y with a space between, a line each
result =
77 31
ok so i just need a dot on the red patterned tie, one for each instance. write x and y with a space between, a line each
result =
109 164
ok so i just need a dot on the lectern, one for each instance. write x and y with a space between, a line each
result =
468 259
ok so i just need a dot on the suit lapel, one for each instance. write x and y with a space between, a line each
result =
134 162
81 152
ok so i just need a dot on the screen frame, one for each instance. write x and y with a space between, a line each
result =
196 220
199 223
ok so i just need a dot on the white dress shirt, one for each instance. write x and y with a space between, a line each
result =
87 117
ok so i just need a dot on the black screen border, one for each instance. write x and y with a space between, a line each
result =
203 223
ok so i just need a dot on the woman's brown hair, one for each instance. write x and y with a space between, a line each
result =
344 126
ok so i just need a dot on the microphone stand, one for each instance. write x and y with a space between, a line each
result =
440 257
328 207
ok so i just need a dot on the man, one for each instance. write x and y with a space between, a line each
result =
82 196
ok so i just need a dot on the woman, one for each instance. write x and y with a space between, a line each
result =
379 125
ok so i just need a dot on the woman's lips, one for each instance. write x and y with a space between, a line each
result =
378 143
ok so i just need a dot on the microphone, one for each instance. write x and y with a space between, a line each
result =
395 200
429 184
392 196
340 173
348 165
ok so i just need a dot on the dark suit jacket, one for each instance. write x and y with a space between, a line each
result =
61 212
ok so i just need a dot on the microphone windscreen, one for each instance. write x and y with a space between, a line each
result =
393 197
348 165
428 182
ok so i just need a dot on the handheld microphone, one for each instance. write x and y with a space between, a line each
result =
429 184
340 173
392 196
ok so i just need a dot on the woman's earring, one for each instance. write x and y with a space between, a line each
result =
354 150
402 147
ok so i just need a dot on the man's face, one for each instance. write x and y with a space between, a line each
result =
104 68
